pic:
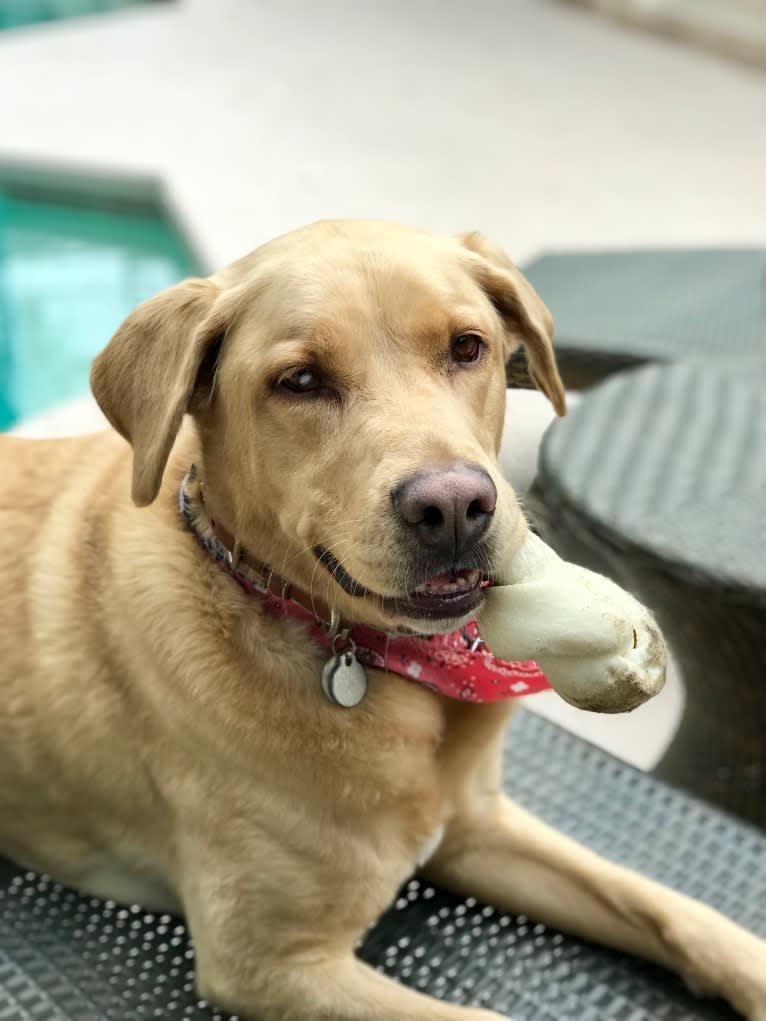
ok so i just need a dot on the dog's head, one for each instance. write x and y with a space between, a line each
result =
347 382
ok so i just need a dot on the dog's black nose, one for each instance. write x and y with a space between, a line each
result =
449 509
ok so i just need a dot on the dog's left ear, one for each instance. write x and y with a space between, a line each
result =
146 378
527 319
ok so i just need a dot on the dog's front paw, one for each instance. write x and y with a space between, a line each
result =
753 996
742 979
746 988
753 1005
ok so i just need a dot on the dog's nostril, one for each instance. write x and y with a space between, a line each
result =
475 510
433 517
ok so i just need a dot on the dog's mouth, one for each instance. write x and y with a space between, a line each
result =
448 594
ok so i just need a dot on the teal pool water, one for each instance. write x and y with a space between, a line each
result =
68 276
15 13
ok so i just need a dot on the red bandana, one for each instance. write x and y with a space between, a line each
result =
458 665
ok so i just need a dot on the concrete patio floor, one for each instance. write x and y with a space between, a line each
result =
538 123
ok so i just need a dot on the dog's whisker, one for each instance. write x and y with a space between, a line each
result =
334 595
328 542
339 564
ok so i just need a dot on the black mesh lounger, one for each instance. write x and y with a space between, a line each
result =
64 957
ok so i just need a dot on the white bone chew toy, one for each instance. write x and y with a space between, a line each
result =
598 646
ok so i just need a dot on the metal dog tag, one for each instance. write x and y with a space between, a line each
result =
344 679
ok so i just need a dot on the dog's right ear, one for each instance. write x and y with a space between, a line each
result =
145 377
526 317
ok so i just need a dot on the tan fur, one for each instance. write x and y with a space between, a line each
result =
162 740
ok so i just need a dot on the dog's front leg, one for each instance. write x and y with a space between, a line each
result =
337 989
507 858
276 943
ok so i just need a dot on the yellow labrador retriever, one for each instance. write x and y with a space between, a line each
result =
166 740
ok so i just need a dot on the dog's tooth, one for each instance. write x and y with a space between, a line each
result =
441 585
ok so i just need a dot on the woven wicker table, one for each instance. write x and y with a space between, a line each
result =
64 957
658 477
615 310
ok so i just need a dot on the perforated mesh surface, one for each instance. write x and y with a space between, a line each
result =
68 958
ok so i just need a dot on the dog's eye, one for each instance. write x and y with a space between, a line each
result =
303 380
466 347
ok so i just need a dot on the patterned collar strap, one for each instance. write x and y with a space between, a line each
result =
458 665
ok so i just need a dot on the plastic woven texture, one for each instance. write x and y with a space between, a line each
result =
672 459
64 957
655 305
